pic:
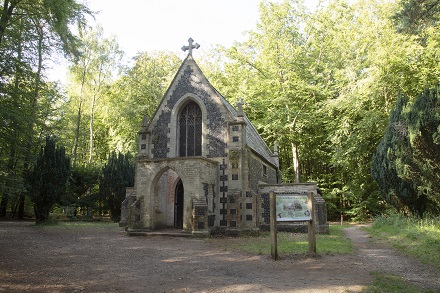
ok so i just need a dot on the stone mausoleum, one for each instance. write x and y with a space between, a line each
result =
201 164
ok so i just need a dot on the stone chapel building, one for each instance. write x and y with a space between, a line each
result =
200 162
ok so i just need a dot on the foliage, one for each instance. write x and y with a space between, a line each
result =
135 94
423 118
316 84
320 84
414 15
57 14
31 31
117 174
82 187
385 282
366 86
406 165
91 77
392 153
412 235
48 178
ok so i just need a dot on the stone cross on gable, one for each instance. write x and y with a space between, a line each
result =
239 105
190 46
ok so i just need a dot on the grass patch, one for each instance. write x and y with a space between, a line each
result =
88 224
391 283
335 242
293 243
60 225
412 236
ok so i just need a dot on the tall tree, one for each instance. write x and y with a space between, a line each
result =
58 14
14 90
406 165
367 71
30 31
48 178
91 75
392 155
271 69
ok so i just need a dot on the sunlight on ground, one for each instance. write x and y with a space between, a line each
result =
309 289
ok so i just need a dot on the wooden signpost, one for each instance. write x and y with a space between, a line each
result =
291 207
273 226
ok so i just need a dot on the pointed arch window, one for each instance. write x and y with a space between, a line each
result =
190 131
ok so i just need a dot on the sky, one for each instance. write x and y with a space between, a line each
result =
155 25
148 25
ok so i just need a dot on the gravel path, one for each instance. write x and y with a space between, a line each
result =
381 258
105 259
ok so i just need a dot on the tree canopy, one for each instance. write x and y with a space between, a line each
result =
346 91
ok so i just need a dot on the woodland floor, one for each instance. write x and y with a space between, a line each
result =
105 259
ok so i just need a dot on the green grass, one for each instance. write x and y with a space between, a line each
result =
390 283
78 225
335 242
412 236
294 243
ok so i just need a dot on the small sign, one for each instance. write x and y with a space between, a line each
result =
292 207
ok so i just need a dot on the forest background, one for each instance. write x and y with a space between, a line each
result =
348 92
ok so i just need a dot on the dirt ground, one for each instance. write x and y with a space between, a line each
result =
105 259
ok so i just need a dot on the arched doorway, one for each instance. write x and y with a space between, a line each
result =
166 200
178 205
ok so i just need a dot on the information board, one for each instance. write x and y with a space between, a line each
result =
292 207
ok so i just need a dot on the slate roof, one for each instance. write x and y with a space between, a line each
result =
253 138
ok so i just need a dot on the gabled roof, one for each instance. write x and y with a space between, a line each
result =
253 139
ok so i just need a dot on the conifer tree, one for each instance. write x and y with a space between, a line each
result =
47 179
117 174
391 156
424 134
406 165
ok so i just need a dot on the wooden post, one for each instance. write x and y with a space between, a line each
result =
311 226
273 226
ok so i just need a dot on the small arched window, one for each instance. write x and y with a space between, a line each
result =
190 131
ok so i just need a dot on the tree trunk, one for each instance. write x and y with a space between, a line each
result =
92 112
14 124
78 124
295 161
92 116
4 205
10 169
34 104
8 8
78 118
